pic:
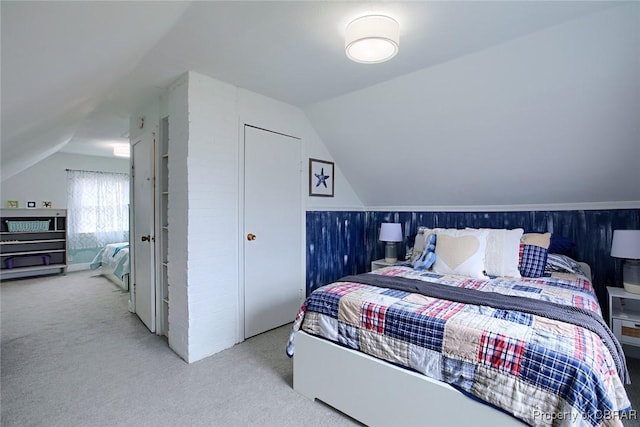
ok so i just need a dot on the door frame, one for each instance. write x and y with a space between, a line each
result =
241 254
132 230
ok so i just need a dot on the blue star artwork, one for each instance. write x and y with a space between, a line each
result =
321 180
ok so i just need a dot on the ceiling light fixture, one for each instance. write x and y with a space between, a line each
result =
372 39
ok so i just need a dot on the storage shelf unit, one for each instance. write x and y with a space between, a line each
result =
162 235
33 252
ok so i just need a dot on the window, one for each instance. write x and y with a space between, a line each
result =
98 208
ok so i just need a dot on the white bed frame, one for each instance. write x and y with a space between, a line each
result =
378 393
124 284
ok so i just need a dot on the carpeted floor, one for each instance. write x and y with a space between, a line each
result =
633 390
72 355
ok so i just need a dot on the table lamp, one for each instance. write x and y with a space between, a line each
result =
390 233
626 244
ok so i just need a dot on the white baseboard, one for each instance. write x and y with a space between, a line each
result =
78 267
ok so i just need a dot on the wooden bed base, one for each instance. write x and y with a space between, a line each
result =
378 393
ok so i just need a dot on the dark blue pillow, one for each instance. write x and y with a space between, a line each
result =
560 245
533 260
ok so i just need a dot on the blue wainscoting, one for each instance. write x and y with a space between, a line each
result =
336 246
341 243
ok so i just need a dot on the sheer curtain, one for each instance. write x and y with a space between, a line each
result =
97 208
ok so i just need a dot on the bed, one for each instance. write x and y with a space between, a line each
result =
112 261
430 346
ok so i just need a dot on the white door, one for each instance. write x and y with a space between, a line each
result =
273 278
143 229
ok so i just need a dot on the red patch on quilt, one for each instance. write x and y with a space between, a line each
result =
501 352
372 317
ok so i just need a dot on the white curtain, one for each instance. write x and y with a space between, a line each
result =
97 208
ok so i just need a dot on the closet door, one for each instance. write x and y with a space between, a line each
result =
143 238
273 279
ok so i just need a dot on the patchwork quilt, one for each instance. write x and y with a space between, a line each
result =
542 371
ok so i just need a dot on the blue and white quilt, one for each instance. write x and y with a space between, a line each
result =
113 259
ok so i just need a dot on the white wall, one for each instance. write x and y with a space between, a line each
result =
47 179
206 118
212 167
548 118
267 113
177 218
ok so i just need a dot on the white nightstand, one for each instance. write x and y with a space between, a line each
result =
624 315
380 263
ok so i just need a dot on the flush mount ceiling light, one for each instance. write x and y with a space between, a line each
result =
372 39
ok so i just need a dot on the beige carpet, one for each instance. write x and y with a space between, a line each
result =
72 355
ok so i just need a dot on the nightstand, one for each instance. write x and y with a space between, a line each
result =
380 263
624 315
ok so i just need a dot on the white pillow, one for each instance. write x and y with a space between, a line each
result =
461 252
502 255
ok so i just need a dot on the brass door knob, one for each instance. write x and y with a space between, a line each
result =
251 236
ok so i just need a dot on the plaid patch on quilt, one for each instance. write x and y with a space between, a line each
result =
535 368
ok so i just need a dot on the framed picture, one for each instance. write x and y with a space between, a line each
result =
321 179
31 205
46 204
13 204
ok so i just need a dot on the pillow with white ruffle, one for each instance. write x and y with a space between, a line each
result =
503 246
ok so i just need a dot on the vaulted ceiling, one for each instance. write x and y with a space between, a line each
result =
72 72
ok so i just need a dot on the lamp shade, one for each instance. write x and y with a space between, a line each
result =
372 39
626 244
390 232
